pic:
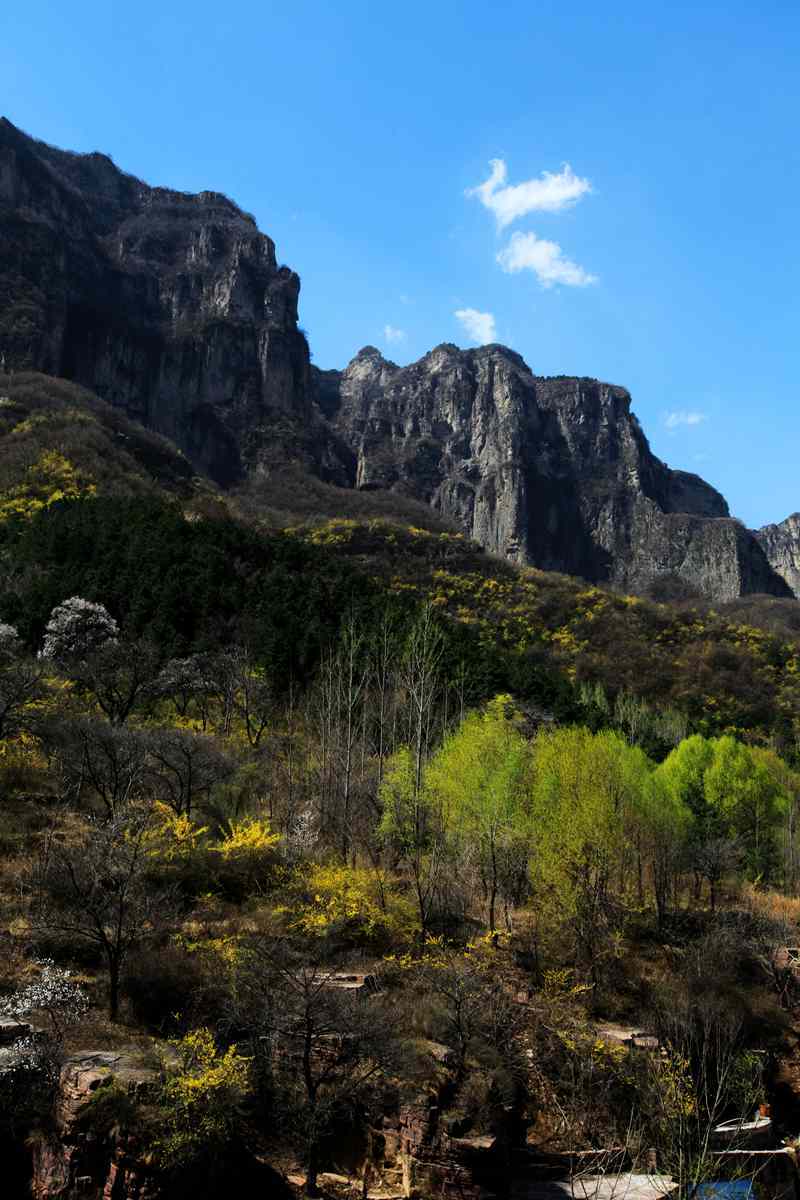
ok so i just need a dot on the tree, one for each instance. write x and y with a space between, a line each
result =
411 825
77 628
200 1101
477 778
474 1012
20 682
94 883
665 826
738 798
53 992
683 773
411 817
585 801
118 676
185 767
190 684
99 761
328 1046
749 797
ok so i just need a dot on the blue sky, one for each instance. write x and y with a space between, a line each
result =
665 260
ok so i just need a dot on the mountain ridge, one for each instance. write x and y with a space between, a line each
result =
173 307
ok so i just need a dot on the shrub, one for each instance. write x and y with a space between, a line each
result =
201 1100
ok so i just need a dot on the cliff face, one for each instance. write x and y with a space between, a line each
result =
171 306
555 472
781 544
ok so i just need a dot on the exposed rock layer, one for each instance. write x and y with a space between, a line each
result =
173 307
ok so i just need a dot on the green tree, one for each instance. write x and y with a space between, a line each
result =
477 779
585 799
750 801
411 825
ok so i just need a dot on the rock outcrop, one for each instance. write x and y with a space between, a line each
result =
781 544
75 1161
550 471
169 305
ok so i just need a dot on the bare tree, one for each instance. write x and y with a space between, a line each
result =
96 885
118 676
21 682
185 767
99 761
327 1045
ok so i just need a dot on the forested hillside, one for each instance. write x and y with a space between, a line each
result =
324 820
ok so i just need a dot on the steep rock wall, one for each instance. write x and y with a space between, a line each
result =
551 471
172 306
781 544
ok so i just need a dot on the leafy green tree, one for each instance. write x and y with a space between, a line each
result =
585 801
665 827
684 774
749 800
477 779
411 826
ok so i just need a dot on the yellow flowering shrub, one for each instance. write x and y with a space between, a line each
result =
352 899
200 1099
245 838
173 837
50 479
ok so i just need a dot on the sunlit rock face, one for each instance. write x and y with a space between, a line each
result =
172 306
554 472
781 544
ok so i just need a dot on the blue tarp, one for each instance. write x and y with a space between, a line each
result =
723 1189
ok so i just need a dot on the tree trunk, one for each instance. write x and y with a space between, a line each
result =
113 988
312 1171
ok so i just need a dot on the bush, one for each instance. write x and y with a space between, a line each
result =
200 1101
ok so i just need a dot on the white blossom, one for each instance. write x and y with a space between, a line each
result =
54 992
76 628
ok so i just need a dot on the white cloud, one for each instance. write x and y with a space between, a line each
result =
552 192
527 252
680 417
480 326
391 334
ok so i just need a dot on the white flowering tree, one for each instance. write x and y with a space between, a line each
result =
54 993
32 1064
78 628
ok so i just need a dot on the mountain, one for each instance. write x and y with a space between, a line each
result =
168 305
551 471
173 307
59 441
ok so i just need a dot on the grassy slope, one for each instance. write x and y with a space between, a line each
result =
46 423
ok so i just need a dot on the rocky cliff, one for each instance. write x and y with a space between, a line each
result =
171 306
551 471
781 544
174 307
